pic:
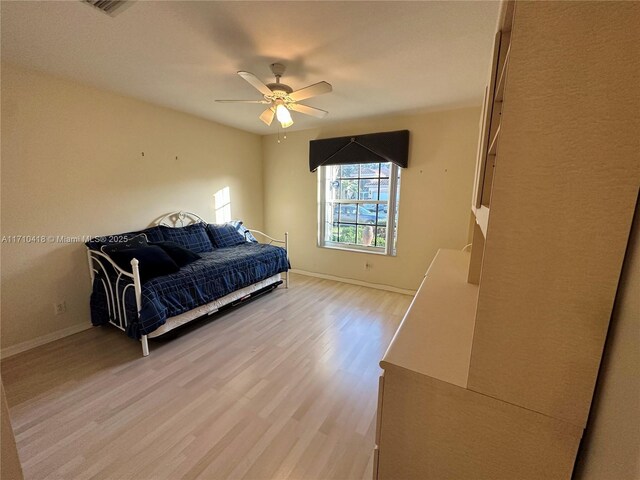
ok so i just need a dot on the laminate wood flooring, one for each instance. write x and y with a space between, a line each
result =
284 387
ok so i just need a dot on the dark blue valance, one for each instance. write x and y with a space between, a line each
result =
370 148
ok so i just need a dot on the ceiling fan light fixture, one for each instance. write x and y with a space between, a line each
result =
283 115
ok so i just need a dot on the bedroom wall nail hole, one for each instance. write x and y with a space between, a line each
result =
60 308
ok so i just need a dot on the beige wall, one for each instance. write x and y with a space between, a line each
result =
72 165
611 445
435 196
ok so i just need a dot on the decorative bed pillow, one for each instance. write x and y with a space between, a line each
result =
225 235
139 240
192 237
153 234
242 230
154 261
178 254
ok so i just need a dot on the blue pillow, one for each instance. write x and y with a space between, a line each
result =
180 255
242 230
154 261
128 242
225 235
192 237
152 234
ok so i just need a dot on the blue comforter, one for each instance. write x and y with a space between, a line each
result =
215 275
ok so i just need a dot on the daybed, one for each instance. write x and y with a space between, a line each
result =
145 297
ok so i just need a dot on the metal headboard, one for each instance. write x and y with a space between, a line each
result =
179 218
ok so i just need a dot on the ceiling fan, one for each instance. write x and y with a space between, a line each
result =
281 98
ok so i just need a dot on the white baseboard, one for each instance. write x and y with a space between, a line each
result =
377 286
36 342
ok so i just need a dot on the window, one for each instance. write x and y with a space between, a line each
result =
358 207
222 204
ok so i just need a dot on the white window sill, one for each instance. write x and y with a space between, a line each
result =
355 249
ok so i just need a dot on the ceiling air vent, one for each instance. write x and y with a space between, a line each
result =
110 7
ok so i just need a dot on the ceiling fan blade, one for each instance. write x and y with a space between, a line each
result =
243 101
314 112
311 91
267 116
256 82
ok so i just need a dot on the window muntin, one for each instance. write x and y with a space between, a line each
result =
354 205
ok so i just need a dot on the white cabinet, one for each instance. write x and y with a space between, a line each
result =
492 371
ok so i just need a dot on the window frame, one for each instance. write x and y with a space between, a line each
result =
390 248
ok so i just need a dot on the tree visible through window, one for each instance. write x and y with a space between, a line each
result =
358 206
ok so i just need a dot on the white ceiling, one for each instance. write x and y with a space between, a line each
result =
380 57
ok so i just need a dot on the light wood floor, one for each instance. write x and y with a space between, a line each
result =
283 387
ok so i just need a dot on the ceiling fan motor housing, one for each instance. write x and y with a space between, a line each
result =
280 87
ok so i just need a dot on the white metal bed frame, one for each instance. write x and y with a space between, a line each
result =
116 303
